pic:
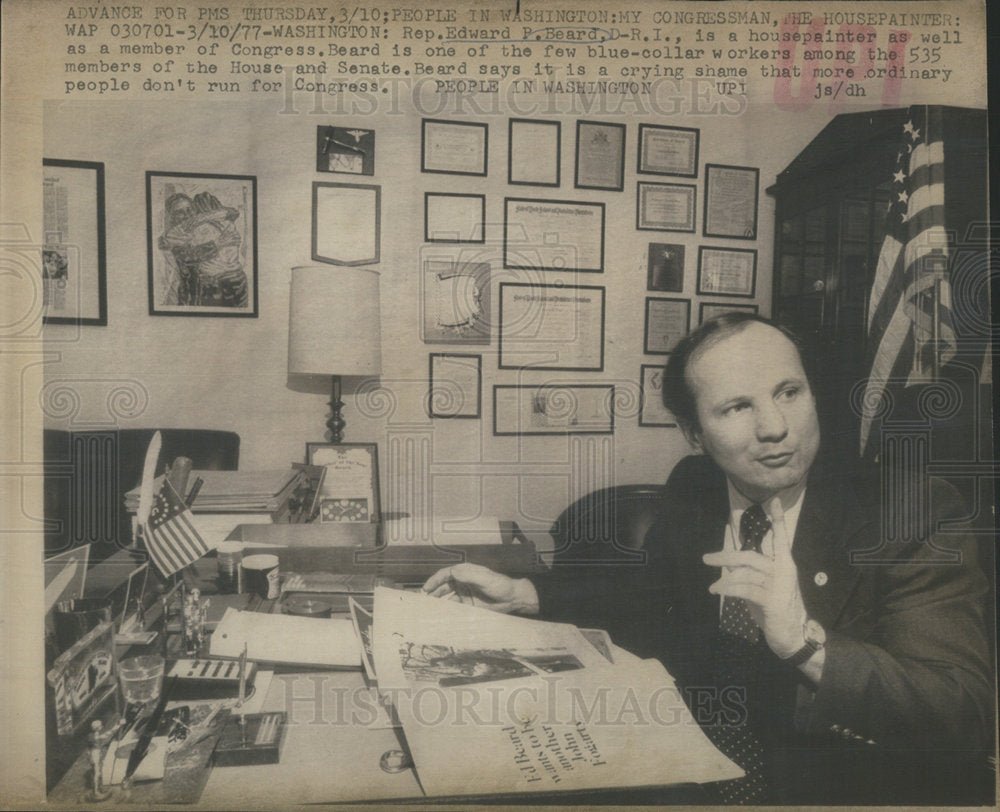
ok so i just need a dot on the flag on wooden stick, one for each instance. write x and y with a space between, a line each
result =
910 331
172 540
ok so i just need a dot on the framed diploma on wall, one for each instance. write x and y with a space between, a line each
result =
533 152
727 271
553 235
454 147
667 322
450 217
456 382
553 409
652 412
668 151
552 327
730 202
709 310
600 156
665 206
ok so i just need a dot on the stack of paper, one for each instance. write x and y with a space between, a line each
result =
496 704
234 491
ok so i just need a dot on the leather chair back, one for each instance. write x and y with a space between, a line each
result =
607 522
88 472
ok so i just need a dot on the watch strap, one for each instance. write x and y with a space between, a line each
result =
803 654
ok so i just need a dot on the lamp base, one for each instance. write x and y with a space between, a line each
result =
336 423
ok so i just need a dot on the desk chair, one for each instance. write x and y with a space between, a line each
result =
88 472
611 522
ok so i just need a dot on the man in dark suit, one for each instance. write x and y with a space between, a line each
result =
833 664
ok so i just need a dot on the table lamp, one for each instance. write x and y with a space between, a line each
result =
333 330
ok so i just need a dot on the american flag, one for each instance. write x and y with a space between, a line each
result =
910 332
172 540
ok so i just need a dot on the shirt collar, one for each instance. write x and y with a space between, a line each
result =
791 501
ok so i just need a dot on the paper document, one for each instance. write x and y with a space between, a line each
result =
287 639
496 704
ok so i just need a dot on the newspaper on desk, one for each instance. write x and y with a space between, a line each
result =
492 703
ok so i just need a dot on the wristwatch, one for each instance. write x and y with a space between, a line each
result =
815 636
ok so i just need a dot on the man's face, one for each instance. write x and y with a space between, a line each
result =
756 412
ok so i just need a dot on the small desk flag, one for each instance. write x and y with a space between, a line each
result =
172 539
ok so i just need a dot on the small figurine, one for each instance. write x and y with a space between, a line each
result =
194 613
97 739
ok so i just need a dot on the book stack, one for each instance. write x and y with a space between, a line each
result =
234 491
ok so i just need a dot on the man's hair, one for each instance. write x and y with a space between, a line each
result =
677 394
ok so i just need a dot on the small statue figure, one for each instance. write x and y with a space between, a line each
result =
194 613
97 740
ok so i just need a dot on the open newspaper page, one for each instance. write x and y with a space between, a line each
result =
496 704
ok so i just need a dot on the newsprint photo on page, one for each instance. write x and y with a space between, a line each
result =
496 403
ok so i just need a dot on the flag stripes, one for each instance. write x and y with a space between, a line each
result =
172 539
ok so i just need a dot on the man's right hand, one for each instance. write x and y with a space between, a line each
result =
481 586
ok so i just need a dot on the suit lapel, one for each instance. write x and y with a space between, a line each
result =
706 530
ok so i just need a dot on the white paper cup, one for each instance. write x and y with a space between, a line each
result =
261 575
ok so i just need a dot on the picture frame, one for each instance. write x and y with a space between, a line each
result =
667 322
667 151
74 254
456 384
534 152
553 409
454 218
665 267
350 489
551 327
456 296
454 147
83 678
731 201
665 206
347 150
652 412
727 271
553 235
600 156
201 235
708 310
346 223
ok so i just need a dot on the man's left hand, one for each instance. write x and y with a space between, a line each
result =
769 585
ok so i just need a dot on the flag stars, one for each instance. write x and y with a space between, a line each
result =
908 127
899 176
903 196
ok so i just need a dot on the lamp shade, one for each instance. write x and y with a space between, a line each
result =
333 322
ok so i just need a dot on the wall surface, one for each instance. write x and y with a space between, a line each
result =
230 373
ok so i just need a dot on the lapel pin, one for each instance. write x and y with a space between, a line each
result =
821 579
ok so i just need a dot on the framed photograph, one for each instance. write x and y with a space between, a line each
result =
731 202
668 151
534 152
83 678
553 409
74 280
553 235
709 310
600 156
665 267
456 382
652 412
201 233
454 218
456 296
665 206
727 271
350 489
453 147
552 327
347 150
346 223
667 322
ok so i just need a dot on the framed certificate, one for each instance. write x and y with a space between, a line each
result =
456 296
553 235
667 322
554 327
456 382
74 285
533 152
730 202
652 412
727 271
453 147
553 409
454 218
668 151
709 310
665 206
350 489
600 156
346 223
